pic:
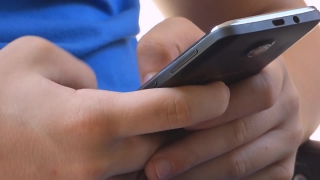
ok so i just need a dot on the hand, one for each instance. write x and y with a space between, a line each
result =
256 138
51 130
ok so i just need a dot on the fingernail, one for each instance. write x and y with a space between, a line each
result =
148 77
163 168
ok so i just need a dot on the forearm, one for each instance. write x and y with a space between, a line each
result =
302 60
208 13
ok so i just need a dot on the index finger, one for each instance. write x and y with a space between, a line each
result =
156 110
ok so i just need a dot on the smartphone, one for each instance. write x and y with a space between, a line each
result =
308 161
237 49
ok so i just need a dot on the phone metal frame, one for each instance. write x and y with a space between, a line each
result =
218 32
269 16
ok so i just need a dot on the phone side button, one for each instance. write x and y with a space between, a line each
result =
185 60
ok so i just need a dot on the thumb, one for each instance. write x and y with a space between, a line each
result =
164 43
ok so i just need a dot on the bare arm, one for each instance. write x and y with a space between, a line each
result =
208 13
302 60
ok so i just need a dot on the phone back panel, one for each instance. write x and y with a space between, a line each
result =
226 54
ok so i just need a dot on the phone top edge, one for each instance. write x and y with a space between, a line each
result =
264 17
220 32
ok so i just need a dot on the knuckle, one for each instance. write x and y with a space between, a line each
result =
157 44
293 136
79 122
103 123
144 45
266 88
148 48
297 135
291 106
241 130
31 48
240 165
43 46
292 102
282 172
38 49
37 43
84 121
179 111
29 38
297 132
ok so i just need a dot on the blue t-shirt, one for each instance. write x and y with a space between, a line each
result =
99 32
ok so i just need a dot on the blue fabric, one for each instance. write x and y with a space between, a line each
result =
100 32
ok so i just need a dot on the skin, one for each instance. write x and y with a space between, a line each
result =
301 60
67 130
245 142
54 124
256 138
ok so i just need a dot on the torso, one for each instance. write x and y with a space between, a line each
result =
100 32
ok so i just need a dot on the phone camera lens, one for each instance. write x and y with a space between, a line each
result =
260 50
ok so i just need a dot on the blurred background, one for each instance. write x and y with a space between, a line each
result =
147 22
